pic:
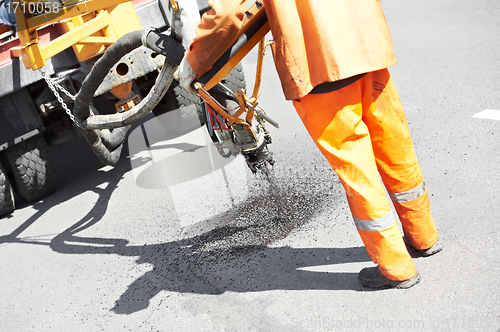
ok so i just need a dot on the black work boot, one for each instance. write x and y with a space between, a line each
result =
414 252
437 247
373 278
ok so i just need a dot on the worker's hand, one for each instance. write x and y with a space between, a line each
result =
185 75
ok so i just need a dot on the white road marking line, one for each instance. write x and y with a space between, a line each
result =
488 114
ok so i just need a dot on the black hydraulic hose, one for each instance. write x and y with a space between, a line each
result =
100 69
163 44
112 139
103 153
106 144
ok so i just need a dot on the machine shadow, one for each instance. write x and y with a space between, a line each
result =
78 171
236 254
232 252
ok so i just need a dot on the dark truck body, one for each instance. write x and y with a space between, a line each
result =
29 111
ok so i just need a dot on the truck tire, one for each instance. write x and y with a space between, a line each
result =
180 111
6 194
32 170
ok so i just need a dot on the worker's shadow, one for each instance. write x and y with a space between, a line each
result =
236 255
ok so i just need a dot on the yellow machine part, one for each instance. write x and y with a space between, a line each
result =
119 20
89 27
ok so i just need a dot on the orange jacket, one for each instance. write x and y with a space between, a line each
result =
315 41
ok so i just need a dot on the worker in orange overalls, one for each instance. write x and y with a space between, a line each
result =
332 59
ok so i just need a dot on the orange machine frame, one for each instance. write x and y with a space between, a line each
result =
246 105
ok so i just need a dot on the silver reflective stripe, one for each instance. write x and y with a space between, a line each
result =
409 195
376 225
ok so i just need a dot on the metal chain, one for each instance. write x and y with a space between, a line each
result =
54 86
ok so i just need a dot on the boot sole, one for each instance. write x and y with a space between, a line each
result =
437 247
409 283
391 283
414 252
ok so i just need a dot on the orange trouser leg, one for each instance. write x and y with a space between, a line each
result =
418 223
334 121
396 160
388 250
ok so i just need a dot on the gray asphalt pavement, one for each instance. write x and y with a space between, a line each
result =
176 239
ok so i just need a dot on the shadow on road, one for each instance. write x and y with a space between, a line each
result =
78 171
236 255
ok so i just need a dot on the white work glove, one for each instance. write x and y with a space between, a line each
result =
189 16
189 20
185 75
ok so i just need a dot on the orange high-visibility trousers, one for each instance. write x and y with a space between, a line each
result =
362 131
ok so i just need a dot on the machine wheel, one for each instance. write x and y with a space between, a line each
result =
33 173
180 111
6 194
